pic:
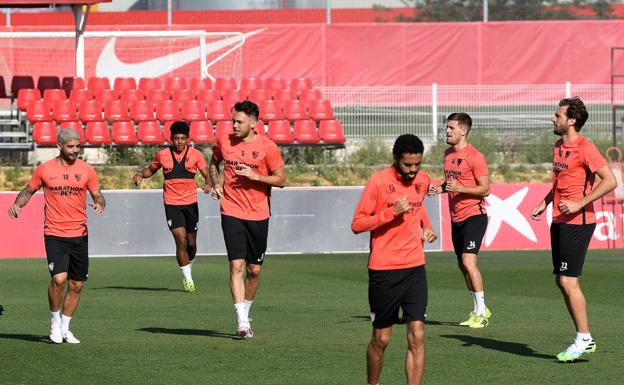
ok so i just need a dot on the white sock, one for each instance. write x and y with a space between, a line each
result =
480 299
474 301
583 338
240 313
55 318
190 264
186 272
65 323
247 308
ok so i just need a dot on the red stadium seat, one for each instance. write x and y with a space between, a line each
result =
301 84
321 110
149 132
38 111
282 95
175 83
156 96
76 126
305 132
18 82
200 84
64 111
104 96
224 127
116 110
222 84
98 83
260 128
131 95
25 96
270 110
193 110
310 95
45 133
201 132
275 84
147 84
79 95
330 131
141 110
219 110
167 131
53 95
207 95
122 84
3 93
232 96
97 133
49 82
123 132
90 111
72 83
279 132
295 110
168 110
258 96
182 96
250 84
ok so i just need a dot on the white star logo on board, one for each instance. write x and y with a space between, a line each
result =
506 210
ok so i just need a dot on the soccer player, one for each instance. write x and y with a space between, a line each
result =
467 183
576 163
391 208
253 164
180 163
65 180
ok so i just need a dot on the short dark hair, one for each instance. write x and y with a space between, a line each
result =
407 144
462 118
249 108
576 110
179 127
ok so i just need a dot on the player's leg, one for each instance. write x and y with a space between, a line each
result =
472 233
78 272
257 235
176 220
58 265
414 305
415 357
575 301
375 353
191 218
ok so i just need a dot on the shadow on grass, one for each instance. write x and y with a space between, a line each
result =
25 337
191 332
442 323
501 346
141 288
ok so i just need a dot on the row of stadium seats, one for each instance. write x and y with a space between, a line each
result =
38 110
96 133
272 86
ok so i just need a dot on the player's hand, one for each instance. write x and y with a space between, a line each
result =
453 185
401 205
434 190
538 210
14 211
207 188
246 171
217 192
97 207
570 207
137 178
429 235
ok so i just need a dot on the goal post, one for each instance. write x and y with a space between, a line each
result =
190 53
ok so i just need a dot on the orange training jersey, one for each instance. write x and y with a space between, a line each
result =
574 172
243 198
65 191
179 187
465 166
396 240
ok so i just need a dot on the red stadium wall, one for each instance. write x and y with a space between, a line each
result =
549 52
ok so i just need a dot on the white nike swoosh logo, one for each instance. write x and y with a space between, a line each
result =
108 64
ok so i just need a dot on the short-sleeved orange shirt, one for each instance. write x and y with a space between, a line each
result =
179 190
465 166
574 173
65 191
243 198
396 240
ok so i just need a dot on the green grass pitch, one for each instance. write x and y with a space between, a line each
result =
311 318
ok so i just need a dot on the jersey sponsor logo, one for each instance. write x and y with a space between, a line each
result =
237 164
451 174
559 166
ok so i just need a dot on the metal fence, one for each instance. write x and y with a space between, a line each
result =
503 110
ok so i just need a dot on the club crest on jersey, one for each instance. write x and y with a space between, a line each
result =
255 154
78 177
417 188
456 161
390 189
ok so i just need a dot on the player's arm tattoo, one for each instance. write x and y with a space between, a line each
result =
24 196
98 198
213 170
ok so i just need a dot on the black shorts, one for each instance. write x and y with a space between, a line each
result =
389 290
245 239
468 234
569 244
185 216
68 255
